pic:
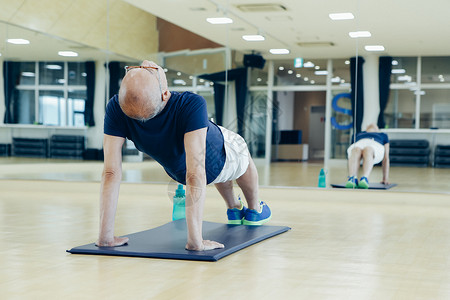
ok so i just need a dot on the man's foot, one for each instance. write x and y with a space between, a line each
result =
236 215
363 183
253 217
352 182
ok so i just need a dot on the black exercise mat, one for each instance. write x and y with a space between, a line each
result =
168 241
372 186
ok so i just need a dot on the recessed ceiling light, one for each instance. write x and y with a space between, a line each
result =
341 16
53 67
398 71
308 64
290 72
347 62
298 75
28 74
84 74
179 82
317 67
312 81
404 78
68 53
18 41
359 34
218 21
321 72
279 51
253 38
281 68
306 79
374 48
62 81
394 62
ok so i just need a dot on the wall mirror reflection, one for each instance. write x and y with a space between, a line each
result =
60 67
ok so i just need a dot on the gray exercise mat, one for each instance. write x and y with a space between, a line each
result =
168 241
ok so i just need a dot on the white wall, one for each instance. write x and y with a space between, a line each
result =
286 110
371 91
2 95
95 134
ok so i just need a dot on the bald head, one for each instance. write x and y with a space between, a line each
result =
140 95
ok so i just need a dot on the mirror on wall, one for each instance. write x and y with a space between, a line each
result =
52 90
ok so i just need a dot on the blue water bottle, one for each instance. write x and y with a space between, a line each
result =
179 204
322 179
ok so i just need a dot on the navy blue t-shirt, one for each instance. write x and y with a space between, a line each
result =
162 137
378 137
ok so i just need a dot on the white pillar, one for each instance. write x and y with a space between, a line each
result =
2 95
269 112
95 134
371 91
327 141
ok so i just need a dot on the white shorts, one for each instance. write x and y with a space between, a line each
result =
378 149
237 156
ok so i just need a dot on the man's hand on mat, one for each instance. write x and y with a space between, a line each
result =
116 242
207 245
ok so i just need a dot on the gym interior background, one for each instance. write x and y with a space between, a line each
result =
52 105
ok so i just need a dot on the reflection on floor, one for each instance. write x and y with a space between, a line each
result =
343 245
289 174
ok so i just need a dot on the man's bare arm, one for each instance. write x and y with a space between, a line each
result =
195 145
109 193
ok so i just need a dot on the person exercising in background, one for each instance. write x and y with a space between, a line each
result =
371 147
173 128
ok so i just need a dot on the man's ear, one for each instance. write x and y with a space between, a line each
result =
166 95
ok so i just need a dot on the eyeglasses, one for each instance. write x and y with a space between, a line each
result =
128 68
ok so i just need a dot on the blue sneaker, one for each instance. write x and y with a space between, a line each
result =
236 215
363 183
352 182
253 217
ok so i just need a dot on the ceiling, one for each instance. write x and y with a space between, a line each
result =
403 27
45 47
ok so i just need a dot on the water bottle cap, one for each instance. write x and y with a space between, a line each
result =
179 192
322 172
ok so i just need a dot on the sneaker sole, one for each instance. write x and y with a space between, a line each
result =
235 222
350 185
363 186
256 223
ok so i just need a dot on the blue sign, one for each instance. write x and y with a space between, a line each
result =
342 110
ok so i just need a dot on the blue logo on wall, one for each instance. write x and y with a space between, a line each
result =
342 110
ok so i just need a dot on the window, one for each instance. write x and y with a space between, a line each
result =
52 93
419 100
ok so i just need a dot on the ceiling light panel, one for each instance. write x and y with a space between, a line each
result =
359 34
279 51
219 21
253 38
18 41
261 7
67 53
374 48
341 16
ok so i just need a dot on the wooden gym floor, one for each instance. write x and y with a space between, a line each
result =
343 244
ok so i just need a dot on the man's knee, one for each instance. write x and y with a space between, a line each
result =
368 151
355 152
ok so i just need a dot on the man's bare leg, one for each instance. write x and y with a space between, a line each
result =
354 162
368 156
248 183
226 191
